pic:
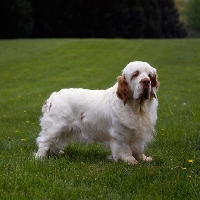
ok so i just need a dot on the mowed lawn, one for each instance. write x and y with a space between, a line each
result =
31 69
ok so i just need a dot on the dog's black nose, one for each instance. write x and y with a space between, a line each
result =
145 81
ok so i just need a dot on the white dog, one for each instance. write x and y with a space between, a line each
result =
122 117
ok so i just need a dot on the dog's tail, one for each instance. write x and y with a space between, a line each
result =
47 104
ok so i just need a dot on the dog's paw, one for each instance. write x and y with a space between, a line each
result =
110 158
61 152
38 156
132 161
147 159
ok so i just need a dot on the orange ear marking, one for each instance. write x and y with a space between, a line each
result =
122 89
154 81
154 84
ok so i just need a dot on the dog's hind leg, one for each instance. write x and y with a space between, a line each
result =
44 142
62 140
53 137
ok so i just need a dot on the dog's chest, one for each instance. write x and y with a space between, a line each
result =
142 122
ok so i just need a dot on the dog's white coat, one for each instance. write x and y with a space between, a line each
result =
100 115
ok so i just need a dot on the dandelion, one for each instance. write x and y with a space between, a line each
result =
7 166
82 163
184 168
27 121
17 131
190 161
23 140
24 111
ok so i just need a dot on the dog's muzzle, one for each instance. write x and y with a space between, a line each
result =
145 82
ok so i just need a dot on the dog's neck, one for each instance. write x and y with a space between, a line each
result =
138 106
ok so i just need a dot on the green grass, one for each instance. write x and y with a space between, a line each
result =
31 69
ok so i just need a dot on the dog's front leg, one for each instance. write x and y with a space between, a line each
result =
138 152
121 150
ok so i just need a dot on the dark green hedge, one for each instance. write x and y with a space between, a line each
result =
90 19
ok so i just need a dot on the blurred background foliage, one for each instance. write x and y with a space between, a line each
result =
95 19
193 14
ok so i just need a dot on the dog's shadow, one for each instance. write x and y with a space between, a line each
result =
90 153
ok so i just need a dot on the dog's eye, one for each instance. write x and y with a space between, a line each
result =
135 75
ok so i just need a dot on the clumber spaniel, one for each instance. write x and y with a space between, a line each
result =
122 117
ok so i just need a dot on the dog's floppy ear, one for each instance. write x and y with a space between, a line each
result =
154 85
122 89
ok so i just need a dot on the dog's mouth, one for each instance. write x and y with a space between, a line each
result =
144 94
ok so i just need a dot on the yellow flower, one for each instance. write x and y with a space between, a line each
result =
184 168
17 131
82 163
27 121
190 161
24 111
23 140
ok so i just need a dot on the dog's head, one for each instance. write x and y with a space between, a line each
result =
138 81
